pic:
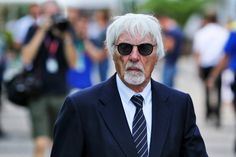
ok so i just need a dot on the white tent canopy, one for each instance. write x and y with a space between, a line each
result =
18 1
86 4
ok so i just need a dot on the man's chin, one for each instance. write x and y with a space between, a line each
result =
133 83
134 79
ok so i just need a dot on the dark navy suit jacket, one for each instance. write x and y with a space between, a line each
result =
92 123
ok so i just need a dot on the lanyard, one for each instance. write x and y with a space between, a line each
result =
52 46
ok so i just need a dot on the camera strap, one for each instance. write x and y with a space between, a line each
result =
52 63
52 46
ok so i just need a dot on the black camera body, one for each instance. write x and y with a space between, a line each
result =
60 22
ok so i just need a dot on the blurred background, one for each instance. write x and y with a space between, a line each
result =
181 21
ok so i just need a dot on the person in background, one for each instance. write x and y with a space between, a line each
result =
84 54
130 114
73 14
173 38
2 68
102 18
208 46
44 54
24 23
228 60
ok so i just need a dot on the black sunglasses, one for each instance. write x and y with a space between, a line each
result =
144 49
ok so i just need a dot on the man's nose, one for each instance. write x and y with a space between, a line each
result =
134 55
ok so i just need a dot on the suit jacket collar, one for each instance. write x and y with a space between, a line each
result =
114 116
161 115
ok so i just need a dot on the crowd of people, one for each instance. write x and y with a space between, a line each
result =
63 52
214 50
208 46
60 52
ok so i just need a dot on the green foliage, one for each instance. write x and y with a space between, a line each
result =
177 9
8 38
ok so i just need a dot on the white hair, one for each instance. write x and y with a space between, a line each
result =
134 24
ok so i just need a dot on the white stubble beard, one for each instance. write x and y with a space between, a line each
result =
134 77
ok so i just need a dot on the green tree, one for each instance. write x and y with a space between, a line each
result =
177 9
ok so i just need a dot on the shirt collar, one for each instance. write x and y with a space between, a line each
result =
126 93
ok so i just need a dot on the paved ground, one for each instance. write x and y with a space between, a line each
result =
219 142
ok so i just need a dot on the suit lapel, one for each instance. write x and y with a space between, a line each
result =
114 116
161 114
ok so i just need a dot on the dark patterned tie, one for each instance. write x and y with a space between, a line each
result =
139 129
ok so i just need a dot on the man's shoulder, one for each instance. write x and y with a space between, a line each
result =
168 91
25 19
173 98
212 28
94 92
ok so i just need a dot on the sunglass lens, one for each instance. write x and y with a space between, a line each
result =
124 48
145 49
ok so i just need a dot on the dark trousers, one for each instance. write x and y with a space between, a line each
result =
233 87
2 66
212 109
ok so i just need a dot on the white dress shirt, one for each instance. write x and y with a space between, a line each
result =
23 25
129 108
209 43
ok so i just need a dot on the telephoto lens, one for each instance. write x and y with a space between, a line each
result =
60 22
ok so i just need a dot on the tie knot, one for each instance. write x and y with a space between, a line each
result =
137 100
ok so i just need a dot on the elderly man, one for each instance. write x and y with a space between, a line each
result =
129 115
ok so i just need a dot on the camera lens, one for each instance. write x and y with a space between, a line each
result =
60 22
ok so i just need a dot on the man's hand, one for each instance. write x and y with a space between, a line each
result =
210 82
45 22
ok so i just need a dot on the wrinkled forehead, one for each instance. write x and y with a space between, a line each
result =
135 38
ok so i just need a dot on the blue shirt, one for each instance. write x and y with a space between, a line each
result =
80 76
177 35
230 50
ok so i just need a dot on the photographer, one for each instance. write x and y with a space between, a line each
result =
84 55
44 54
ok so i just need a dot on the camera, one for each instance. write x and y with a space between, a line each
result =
60 22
